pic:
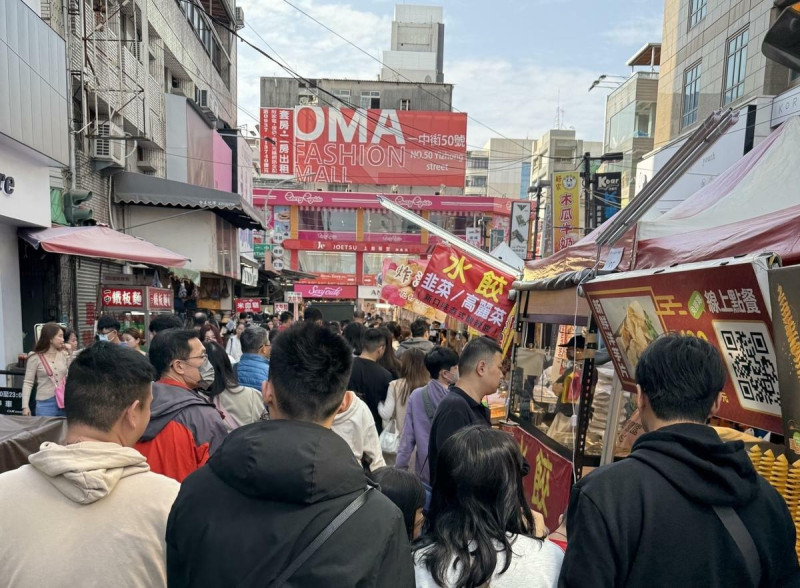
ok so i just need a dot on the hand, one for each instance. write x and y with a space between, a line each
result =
26 411
68 348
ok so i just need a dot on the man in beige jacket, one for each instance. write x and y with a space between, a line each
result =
90 512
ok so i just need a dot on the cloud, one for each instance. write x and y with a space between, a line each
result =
517 98
649 28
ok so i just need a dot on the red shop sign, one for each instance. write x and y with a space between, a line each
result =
247 304
547 486
326 291
113 297
467 289
721 303
160 298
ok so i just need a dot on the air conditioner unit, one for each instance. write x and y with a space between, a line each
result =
208 103
148 161
239 18
106 149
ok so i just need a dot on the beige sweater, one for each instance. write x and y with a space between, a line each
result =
36 374
84 515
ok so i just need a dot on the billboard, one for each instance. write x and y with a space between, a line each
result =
368 146
520 228
608 196
399 280
566 209
277 142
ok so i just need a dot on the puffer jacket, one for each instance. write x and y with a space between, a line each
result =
252 370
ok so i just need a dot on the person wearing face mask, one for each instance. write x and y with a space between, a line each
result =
184 429
442 365
108 329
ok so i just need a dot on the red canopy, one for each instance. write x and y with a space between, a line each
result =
101 242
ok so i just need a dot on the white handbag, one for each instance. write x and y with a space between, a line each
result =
390 438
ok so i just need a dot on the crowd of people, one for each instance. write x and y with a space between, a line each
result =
266 453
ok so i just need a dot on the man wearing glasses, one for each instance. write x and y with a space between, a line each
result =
184 429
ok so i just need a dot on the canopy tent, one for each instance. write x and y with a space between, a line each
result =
101 242
752 207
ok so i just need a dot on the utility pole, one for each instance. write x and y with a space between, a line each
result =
588 213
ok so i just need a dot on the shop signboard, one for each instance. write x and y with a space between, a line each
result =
784 286
160 298
260 250
474 235
566 209
608 195
520 228
294 297
399 280
311 291
467 289
547 486
281 307
369 292
355 246
118 297
722 303
329 278
249 276
247 305
277 142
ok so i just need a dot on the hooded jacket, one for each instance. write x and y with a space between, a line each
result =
184 429
420 343
271 488
648 519
84 515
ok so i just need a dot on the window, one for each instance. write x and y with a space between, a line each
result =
383 221
477 163
405 104
343 96
697 11
338 187
373 262
316 262
735 67
794 76
455 224
476 181
691 95
370 99
343 221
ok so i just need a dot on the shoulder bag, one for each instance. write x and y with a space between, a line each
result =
59 386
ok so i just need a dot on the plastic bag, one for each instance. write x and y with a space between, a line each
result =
390 438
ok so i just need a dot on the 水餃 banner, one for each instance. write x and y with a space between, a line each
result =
399 279
277 141
373 146
467 289
566 209
723 304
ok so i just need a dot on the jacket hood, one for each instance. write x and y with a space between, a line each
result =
701 466
288 461
87 472
416 342
168 401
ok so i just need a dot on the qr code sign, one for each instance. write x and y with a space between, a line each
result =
752 365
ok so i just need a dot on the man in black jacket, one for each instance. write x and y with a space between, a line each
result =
274 486
652 519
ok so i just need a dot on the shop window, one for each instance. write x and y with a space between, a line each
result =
691 95
456 224
735 67
327 262
328 220
383 221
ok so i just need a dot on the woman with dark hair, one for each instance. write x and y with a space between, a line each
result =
133 339
396 332
413 375
479 529
211 333
47 368
389 360
407 493
239 404
354 335
71 338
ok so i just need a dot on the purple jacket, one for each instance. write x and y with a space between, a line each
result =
417 429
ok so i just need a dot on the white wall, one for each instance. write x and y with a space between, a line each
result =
10 300
29 204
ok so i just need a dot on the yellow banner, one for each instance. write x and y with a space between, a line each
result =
566 209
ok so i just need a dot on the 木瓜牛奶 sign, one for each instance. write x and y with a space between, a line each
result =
723 303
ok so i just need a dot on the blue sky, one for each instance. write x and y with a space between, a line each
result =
509 60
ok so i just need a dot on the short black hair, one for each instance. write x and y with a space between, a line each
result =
480 348
440 358
162 322
103 381
107 321
253 339
419 327
312 314
285 316
169 345
354 335
309 371
681 376
200 318
373 339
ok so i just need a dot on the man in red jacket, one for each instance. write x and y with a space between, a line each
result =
184 428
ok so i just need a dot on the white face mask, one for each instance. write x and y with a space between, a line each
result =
102 337
206 375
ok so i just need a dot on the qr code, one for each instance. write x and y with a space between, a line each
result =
750 356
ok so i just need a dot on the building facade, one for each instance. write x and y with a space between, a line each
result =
501 169
417 53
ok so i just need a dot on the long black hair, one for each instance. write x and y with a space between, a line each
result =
224 377
404 489
477 500
354 335
388 360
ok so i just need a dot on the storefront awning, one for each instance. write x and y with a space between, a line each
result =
101 242
133 188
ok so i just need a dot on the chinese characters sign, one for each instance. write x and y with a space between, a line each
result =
722 304
160 298
399 280
468 290
248 304
566 209
277 141
123 297
347 146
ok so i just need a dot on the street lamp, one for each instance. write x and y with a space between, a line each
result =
590 211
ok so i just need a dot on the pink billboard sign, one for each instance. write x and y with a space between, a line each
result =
326 236
415 202
311 291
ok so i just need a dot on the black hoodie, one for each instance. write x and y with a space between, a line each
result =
265 494
647 520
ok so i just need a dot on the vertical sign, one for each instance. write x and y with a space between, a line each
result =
474 235
566 209
277 142
608 197
520 228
